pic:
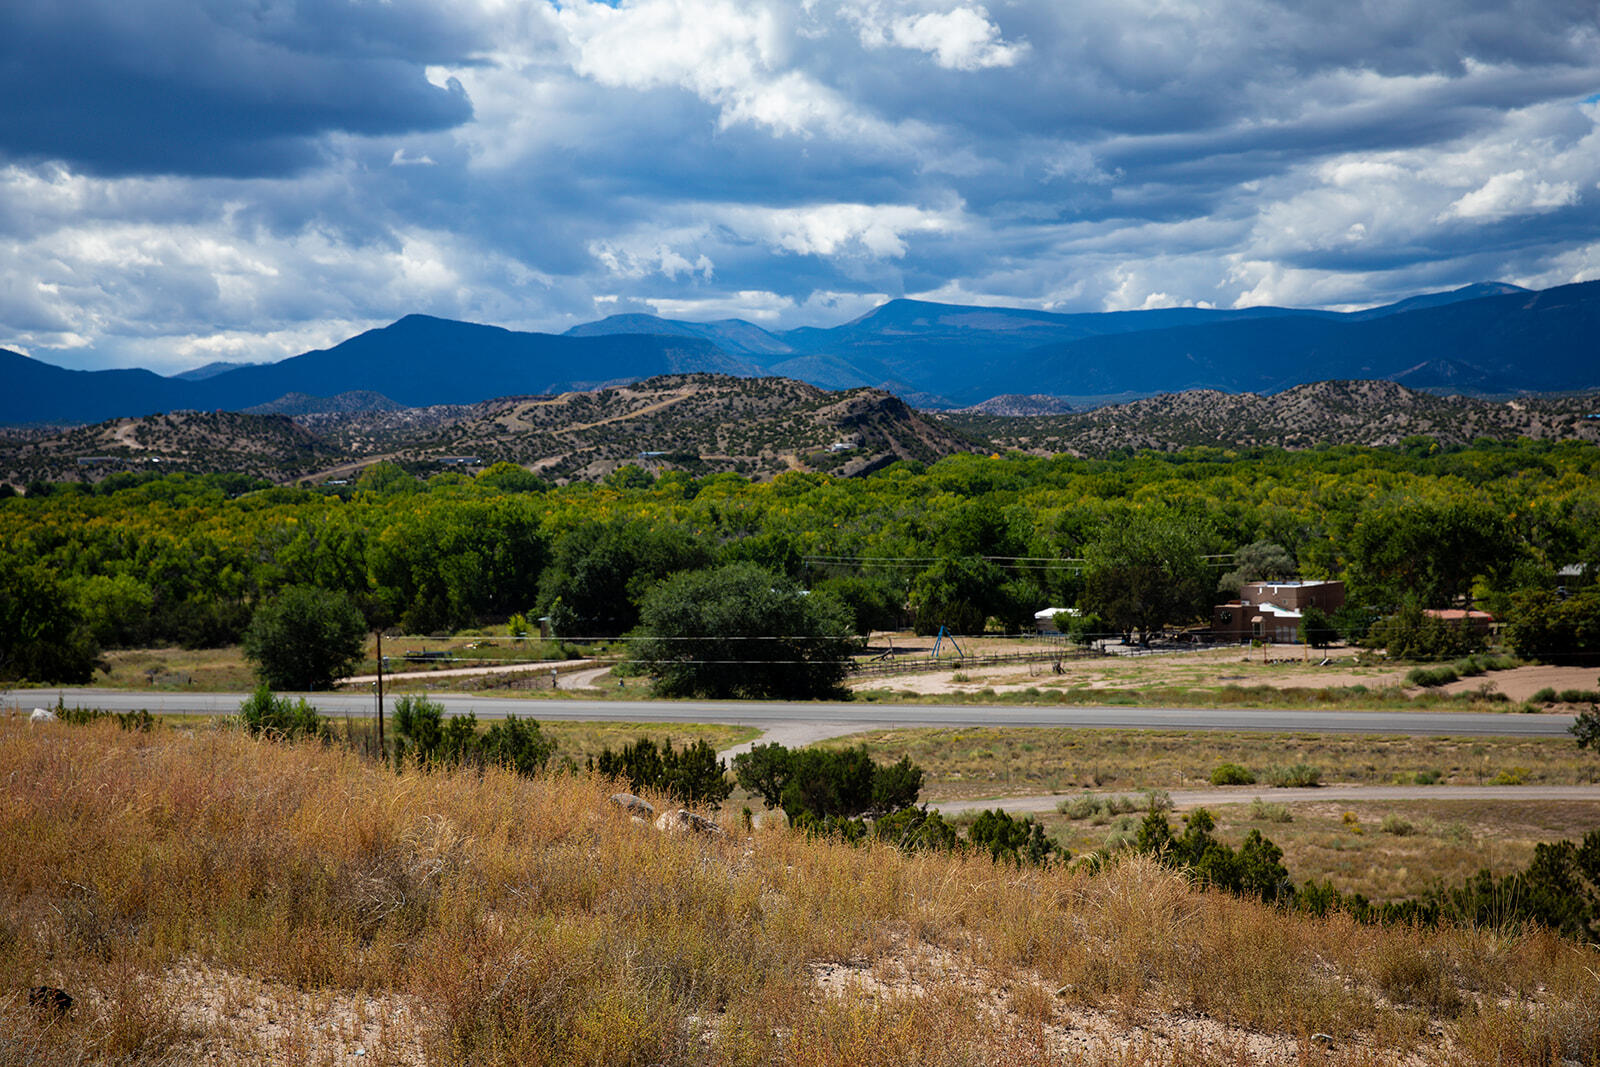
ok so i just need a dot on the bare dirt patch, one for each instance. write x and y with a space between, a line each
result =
237 1019
1050 1022
1522 682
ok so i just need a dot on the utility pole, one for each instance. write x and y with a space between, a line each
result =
380 695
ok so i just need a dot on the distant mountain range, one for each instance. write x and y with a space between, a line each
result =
1485 339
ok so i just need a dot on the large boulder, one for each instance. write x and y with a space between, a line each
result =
633 805
685 821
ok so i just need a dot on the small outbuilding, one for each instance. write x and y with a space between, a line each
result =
1045 621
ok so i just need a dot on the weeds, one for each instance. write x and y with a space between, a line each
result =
1432 677
1093 806
1262 811
1296 775
978 761
1398 825
1232 774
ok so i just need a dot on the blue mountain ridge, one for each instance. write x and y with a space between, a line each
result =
1486 338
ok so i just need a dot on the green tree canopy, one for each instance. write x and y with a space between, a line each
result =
1258 561
599 572
741 631
820 782
304 638
1316 627
1145 571
1411 633
1546 627
1431 551
506 477
42 634
874 602
960 593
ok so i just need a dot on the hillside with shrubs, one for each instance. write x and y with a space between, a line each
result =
218 898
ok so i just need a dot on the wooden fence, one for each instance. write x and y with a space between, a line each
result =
915 662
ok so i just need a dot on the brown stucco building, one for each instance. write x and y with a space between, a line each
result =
1271 611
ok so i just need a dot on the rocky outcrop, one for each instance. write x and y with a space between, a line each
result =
685 821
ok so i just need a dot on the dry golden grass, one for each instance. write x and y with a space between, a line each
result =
166 669
581 740
467 918
979 761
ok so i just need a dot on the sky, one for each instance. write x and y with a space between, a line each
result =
183 181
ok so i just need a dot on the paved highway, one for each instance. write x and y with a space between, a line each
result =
795 722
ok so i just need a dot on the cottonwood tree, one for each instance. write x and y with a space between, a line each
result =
1145 571
42 634
741 631
304 638
1258 561
960 593
1545 626
599 572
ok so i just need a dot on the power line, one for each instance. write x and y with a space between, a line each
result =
1046 563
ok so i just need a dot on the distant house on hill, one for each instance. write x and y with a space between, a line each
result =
1271 611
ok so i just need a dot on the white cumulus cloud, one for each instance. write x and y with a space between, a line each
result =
962 39
876 230
1513 193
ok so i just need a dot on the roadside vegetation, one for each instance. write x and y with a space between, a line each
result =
181 890
977 762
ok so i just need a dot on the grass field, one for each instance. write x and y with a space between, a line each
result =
1385 849
978 761
167 669
211 898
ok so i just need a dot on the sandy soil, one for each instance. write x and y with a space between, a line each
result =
233 1019
1522 683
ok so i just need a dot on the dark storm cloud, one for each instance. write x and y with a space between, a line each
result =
174 87
245 180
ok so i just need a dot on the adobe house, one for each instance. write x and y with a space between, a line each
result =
1271 611
1471 619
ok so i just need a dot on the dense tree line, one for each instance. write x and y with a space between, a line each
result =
964 543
